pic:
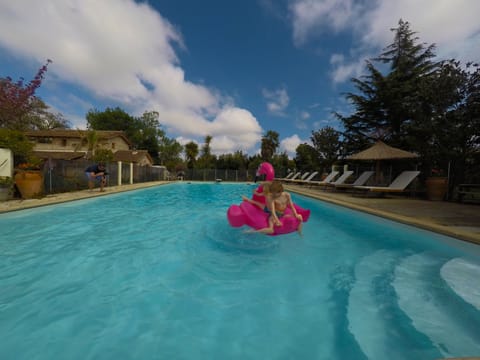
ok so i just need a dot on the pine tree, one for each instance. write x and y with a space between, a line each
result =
388 104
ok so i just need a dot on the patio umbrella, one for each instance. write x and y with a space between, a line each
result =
381 151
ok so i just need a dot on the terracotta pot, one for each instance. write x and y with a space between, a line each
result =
29 183
436 188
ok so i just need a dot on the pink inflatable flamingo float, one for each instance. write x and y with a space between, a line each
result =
250 215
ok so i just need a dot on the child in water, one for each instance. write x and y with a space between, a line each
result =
264 192
276 203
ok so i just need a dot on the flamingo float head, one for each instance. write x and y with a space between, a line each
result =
266 169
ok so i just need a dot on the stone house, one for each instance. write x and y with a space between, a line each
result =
74 143
67 144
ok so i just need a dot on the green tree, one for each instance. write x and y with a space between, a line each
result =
111 119
281 163
236 161
306 157
254 162
422 105
144 132
269 145
91 137
169 153
103 155
41 118
206 159
389 104
17 142
191 153
455 125
148 133
327 145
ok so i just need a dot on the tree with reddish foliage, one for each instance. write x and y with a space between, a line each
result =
17 100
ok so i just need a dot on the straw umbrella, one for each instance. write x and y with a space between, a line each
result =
381 151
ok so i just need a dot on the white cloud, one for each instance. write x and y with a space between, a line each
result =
278 101
290 144
343 71
304 115
452 25
310 17
122 51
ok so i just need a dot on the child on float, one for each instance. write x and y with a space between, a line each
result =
264 193
277 201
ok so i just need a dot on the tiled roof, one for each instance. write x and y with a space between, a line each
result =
68 133
60 155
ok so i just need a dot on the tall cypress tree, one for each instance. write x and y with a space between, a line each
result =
388 104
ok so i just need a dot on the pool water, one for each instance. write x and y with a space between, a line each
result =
159 274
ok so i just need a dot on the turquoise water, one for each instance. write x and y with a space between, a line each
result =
159 274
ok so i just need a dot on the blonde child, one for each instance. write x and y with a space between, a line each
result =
277 201
264 192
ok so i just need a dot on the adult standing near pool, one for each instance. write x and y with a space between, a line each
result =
96 172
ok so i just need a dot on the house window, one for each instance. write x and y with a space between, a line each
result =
113 145
64 142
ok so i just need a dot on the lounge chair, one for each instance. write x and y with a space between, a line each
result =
339 181
397 186
360 181
293 177
306 180
304 175
328 179
289 175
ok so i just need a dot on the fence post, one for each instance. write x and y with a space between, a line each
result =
119 175
131 173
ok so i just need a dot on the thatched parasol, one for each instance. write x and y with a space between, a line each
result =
381 151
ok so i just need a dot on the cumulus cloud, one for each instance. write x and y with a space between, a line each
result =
124 52
311 17
343 70
277 101
290 144
452 25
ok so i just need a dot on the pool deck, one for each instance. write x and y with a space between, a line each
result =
458 220
461 221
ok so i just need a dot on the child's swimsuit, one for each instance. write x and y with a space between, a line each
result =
278 213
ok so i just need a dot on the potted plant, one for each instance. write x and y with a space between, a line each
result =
437 185
29 178
6 185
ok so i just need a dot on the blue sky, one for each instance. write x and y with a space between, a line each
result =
233 69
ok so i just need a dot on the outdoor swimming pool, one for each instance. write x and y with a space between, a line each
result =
159 274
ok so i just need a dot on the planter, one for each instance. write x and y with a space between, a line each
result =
29 183
4 193
436 188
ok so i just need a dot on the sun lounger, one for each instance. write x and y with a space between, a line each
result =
306 180
339 181
328 179
291 178
304 175
397 186
360 181
286 177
